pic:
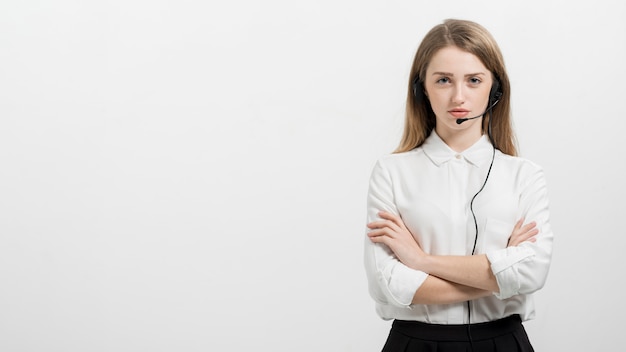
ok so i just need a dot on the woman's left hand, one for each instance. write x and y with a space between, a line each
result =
392 232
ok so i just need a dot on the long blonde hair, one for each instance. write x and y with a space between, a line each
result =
473 38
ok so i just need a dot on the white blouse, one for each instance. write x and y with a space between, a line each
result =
431 187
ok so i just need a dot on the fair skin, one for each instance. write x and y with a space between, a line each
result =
451 278
457 85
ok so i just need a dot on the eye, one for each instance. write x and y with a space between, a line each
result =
475 80
443 80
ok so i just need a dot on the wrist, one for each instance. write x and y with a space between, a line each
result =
422 262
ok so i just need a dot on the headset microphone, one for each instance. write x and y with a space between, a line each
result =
460 121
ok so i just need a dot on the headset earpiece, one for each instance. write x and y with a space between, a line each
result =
418 89
495 94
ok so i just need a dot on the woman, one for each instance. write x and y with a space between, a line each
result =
458 226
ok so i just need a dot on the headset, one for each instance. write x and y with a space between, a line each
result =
495 94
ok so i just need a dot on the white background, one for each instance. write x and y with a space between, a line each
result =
189 176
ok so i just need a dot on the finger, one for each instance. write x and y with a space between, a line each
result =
529 226
391 220
379 224
519 223
386 232
380 236
391 217
374 225
524 237
529 233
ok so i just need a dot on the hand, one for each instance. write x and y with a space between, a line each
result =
523 233
392 232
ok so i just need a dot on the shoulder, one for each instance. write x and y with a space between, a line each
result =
400 168
400 159
518 162
398 165
524 170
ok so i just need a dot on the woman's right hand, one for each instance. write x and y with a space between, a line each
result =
522 233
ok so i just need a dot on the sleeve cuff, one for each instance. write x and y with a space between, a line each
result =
503 267
403 283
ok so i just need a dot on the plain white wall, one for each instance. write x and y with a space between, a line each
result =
191 176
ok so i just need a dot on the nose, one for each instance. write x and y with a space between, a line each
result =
458 95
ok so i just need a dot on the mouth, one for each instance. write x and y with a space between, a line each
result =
459 113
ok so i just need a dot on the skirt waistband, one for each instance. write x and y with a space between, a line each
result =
454 332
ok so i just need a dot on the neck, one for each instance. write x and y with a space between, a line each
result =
460 140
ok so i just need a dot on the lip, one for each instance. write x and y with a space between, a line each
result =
459 113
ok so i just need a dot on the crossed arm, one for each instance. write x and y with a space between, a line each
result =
451 278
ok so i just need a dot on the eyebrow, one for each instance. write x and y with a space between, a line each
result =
451 74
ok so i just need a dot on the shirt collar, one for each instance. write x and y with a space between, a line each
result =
439 152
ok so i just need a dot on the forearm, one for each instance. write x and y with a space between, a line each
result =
435 290
473 271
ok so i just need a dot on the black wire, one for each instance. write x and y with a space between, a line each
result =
469 308
474 197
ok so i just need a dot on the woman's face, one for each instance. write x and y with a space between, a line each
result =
457 85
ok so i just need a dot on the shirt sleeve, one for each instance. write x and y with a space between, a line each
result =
390 281
523 269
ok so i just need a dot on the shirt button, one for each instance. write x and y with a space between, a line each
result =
458 156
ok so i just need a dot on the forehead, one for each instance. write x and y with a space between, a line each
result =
454 60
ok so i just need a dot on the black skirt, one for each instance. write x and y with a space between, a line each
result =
503 335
